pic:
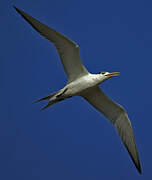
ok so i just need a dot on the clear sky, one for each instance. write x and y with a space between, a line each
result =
71 140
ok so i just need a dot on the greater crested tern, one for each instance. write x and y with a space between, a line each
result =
84 84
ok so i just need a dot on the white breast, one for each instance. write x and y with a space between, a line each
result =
82 84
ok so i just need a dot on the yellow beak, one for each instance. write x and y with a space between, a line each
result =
113 74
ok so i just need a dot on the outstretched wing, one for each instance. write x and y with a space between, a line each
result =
67 49
118 117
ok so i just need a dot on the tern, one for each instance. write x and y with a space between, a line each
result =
82 83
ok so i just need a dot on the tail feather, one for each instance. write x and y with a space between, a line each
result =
52 98
51 103
46 97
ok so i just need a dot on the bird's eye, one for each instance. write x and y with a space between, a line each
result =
103 72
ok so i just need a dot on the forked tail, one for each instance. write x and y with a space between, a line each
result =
46 97
51 102
52 98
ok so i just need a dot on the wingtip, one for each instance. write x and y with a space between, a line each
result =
15 8
18 10
137 161
139 169
138 165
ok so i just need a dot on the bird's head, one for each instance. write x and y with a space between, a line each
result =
106 75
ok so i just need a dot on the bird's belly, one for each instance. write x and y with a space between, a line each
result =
77 87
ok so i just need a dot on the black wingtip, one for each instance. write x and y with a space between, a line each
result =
136 163
20 11
16 8
138 166
139 169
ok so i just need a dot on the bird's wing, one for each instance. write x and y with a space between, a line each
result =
118 117
67 49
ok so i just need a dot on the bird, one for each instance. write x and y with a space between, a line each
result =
86 85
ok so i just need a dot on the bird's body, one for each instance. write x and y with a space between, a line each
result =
81 85
84 84
78 87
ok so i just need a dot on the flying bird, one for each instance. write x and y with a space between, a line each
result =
82 83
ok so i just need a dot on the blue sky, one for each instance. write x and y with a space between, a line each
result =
71 140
